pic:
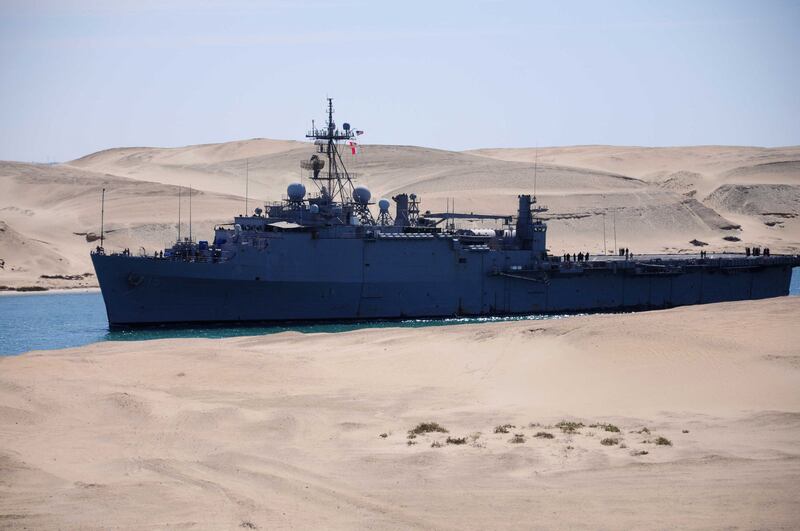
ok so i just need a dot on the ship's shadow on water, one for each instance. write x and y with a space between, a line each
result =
50 321
216 331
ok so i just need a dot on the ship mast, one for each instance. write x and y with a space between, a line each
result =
338 185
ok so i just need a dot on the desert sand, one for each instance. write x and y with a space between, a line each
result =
312 431
652 199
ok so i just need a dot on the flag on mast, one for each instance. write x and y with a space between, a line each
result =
353 146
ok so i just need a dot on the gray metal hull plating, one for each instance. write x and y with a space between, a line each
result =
381 279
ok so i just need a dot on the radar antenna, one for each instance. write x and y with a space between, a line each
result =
413 210
384 217
338 182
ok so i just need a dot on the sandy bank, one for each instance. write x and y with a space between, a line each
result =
50 291
311 431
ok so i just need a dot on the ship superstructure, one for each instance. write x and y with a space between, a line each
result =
325 256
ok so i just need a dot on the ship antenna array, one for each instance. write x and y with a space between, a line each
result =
615 229
535 168
190 213
179 212
339 183
246 185
102 216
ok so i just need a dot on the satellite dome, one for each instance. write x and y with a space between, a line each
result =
346 126
361 195
384 204
296 192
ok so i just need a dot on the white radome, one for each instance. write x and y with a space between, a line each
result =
361 195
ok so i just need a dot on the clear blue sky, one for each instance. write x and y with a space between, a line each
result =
80 76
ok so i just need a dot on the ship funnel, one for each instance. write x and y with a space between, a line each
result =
401 210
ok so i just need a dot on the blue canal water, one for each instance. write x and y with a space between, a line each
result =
61 320
44 321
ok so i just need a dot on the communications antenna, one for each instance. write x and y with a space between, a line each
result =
102 216
179 212
338 185
615 231
535 168
413 210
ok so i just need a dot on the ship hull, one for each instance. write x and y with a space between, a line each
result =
142 291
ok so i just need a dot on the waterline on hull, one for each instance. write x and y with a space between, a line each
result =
43 321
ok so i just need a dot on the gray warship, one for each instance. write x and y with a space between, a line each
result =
324 256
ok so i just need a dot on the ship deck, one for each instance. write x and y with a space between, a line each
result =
679 257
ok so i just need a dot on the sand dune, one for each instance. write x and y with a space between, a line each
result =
213 167
287 431
46 213
769 175
651 199
709 163
779 200
654 186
